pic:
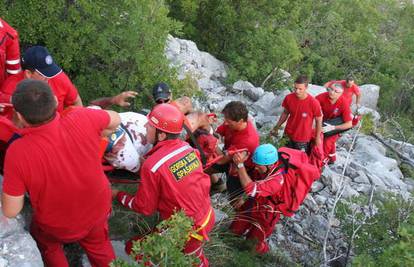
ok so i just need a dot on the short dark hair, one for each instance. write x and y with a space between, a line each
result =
35 101
236 111
302 79
350 77
169 136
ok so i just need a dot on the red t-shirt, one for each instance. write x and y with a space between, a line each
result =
172 179
58 164
301 116
64 90
61 86
246 138
330 111
9 51
348 91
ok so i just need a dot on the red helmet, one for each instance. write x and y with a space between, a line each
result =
166 118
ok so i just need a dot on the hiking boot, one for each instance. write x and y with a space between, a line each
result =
218 187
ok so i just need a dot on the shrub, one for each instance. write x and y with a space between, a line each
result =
164 246
105 46
387 230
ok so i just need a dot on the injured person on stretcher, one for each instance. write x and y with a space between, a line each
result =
126 147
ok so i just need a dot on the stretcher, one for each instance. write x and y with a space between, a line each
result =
339 121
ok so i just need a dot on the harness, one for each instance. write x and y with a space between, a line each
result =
206 220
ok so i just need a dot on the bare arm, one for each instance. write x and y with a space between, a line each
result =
78 101
344 126
184 104
11 206
358 99
244 177
119 100
114 122
282 120
318 121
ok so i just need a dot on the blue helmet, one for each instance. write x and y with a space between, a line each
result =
265 155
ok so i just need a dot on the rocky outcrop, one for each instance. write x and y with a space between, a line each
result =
362 165
17 247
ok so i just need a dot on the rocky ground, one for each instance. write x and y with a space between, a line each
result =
362 165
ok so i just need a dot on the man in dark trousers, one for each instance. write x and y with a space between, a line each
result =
301 110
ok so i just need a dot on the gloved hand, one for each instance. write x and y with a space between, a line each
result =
328 128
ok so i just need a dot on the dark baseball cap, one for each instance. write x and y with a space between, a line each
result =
39 59
161 91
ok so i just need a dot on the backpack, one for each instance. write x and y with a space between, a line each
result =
298 179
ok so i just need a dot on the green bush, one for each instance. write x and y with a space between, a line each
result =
368 125
399 254
105 46
386 236
164 246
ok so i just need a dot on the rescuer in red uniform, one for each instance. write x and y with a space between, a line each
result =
172 178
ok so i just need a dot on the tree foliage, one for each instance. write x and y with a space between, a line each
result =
371 39
104 46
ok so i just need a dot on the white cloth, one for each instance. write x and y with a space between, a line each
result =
128 150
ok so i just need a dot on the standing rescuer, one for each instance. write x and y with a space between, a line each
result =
301 110
172 179
350 89
334 105
56 161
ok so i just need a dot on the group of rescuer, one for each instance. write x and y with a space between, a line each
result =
52 151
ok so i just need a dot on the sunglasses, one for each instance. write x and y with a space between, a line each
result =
338 91
162 101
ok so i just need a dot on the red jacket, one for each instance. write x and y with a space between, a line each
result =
9 51
172 178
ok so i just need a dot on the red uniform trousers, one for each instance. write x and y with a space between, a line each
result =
96 244
256 219
329 148
193 245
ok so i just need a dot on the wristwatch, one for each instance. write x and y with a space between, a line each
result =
240 165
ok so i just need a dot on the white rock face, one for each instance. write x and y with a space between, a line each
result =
244 87
185 56
368 167
315 90
17 247
370 95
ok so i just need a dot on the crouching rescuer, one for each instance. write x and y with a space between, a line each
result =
257 217
278 185
172 179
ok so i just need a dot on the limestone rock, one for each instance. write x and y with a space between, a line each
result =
315 90
248 89
370 95
267 104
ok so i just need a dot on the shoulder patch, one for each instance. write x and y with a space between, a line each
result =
184 166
